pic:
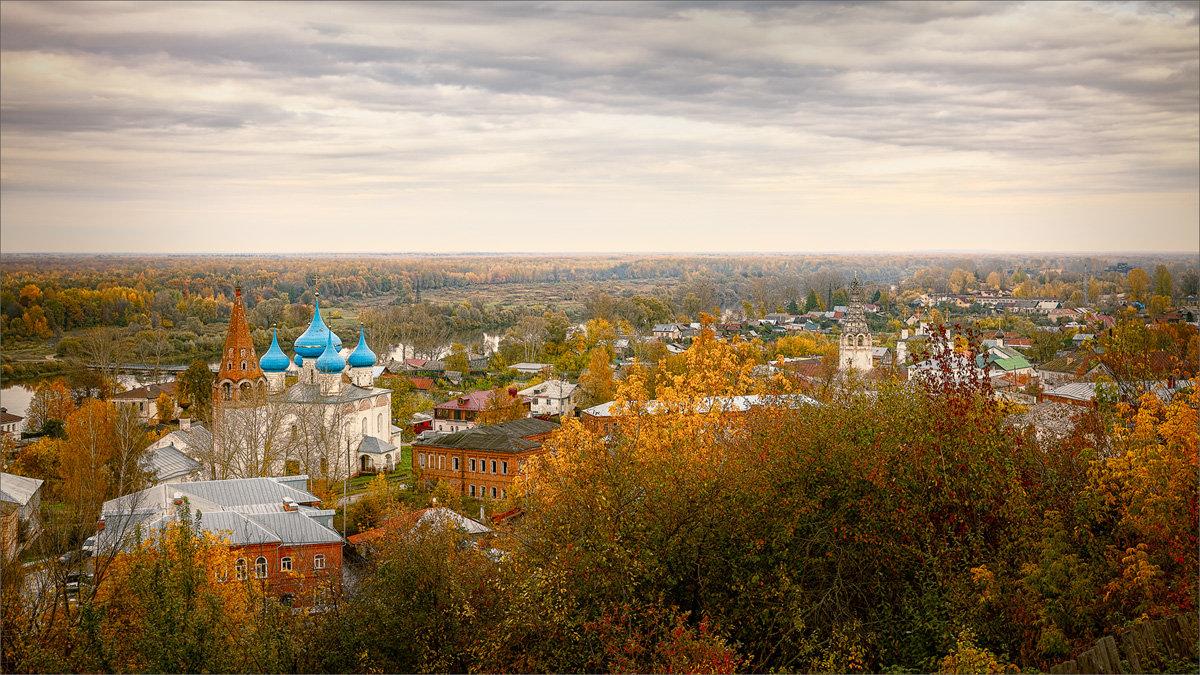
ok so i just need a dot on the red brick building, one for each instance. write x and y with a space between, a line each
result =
276 529
481 462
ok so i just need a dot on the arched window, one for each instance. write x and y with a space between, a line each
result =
285 564
243 354
319 561
222 575
239 569
260 568
226 391
243 365
364 426
231 351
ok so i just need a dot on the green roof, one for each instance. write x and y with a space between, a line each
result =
1007 359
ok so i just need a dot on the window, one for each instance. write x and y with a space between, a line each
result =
242 354
239 569
472 490
493 466
285 564
319 561
493 493
421 459
260 568
473 469
441 461
456 463
222 575
364 426
504 468
503 493
243 365
379 423
231 351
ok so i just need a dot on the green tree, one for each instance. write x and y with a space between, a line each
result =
1162 282
195 389
813 303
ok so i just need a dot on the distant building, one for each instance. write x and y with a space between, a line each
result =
20 508
459 413
552 397
855 347
145 401
10 423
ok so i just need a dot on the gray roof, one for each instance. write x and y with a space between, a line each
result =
18 489
1079 391
195 436
294 527
664 327
311 393
550 388
246 510
374 446
503 437
169 462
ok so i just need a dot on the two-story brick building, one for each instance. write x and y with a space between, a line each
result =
481 462
276 529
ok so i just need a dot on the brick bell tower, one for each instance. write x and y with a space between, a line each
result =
240 379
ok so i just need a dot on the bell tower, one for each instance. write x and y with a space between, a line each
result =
856 344
240 379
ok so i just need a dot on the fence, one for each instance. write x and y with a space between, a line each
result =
1144 647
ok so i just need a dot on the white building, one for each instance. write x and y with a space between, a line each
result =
552 397
855 347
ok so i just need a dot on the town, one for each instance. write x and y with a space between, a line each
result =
304 456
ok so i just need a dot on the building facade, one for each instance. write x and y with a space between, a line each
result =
855 347
481 462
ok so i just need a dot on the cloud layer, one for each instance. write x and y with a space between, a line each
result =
599 126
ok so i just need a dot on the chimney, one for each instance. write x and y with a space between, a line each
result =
289 504
100 524
178 498
185 423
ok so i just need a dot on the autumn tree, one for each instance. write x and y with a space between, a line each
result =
165 405
503 405
51 400
1162 282
596 385
195 391
1137 282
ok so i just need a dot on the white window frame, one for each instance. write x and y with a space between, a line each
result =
285 564
504 468
457 462
239 569
261 569
421 459
319 561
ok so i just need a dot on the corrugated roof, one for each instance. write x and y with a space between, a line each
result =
169 462
1079 391
18 489
311 393
550 388
503 437
294 527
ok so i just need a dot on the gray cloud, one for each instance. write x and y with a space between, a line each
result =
727 96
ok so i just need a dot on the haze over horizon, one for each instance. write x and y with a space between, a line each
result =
265 128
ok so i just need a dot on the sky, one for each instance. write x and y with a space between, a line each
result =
599 127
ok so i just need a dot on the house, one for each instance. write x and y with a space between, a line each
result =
606 417
459 413
1009 363
10 423
276 528
20 512
192 439
483 461
434 517
422 384
666 331
552 397
531 368
145 400
1082 394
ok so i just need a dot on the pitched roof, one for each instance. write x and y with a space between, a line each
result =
551 389
150 392
7 417
1007 359
513 437
421 383
18 489
437 516
169 462
374 446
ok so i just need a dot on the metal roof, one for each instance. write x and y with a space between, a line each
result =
169 462
1079 391
504 437
311 393
18 489
374 446
550 388
294 527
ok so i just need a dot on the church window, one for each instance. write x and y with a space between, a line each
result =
364 426
243 354
231 351
227 391
421 459
243 365
379 423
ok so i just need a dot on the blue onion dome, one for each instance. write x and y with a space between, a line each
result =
362 357
299 361
311 343
330 360
274 361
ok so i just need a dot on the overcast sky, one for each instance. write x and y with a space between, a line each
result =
603 126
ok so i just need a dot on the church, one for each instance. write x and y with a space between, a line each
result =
856 345
331 422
